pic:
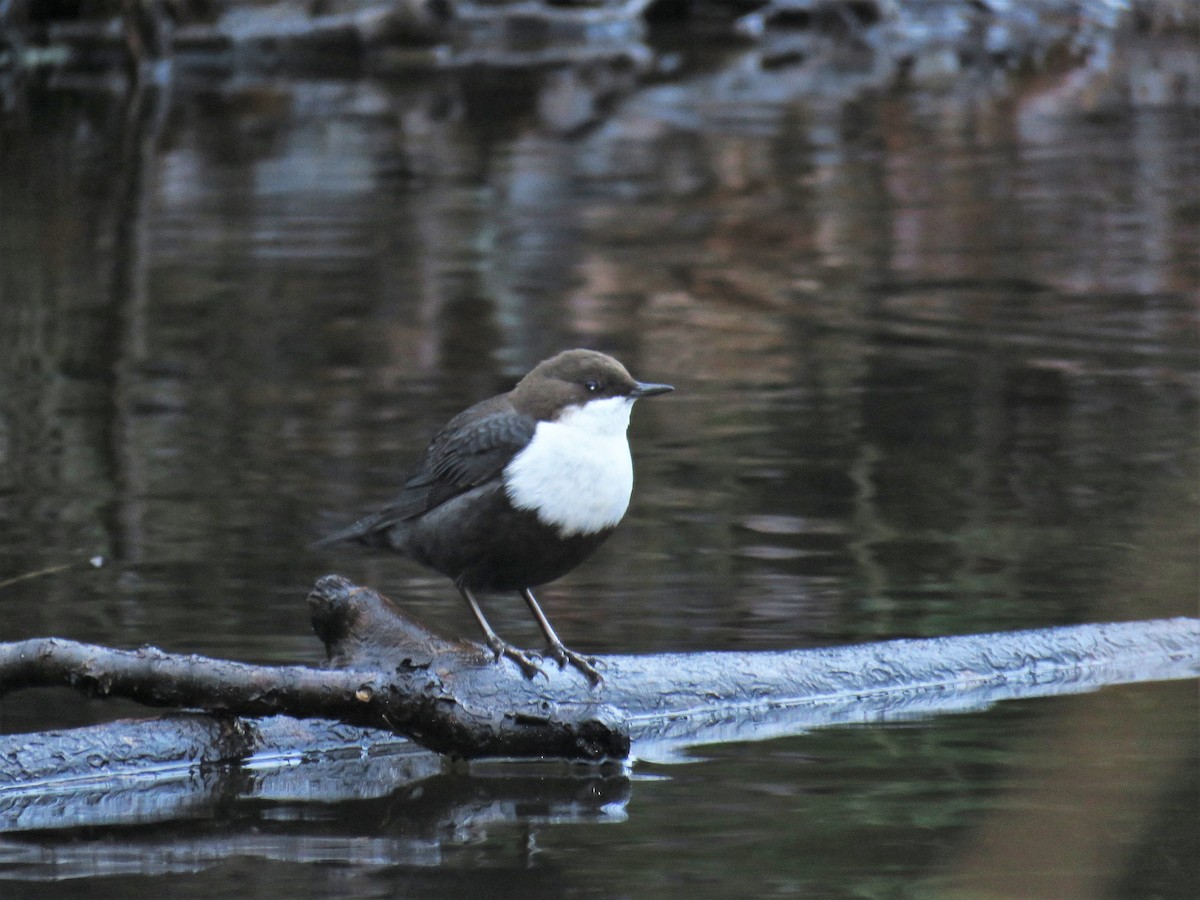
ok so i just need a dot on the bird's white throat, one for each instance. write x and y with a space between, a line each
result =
576 473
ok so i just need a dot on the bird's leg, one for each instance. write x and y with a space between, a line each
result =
556 647
499 646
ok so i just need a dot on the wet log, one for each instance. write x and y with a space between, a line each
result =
348 26
231 36
387 673
187 766
238 35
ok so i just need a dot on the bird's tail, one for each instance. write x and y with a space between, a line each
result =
365 530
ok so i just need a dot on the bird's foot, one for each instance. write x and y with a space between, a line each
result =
527 666
564 657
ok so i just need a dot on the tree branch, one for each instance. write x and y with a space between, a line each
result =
386 671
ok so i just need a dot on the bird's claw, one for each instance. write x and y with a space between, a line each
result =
527 666
557 652
563 657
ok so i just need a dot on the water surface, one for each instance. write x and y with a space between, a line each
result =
935 352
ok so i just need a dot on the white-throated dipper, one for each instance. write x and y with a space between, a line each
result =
520 489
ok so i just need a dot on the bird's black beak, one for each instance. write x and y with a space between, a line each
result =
645 389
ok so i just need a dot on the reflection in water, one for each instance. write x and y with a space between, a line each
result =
935 352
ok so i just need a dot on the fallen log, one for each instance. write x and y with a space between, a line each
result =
343 36
387 673
185 766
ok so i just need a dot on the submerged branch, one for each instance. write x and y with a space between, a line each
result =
386 671
389 673
236 37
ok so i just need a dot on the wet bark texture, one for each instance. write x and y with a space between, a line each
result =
385 671
387 675
234 36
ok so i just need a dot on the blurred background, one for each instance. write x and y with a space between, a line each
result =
930 305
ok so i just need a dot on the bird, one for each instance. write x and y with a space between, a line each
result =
519 489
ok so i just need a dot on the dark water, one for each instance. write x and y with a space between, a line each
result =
936 361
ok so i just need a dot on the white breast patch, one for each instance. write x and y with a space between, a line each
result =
576 473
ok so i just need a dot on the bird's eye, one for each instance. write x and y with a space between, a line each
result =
592 386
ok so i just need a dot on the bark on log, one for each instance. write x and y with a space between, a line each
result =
386 671
240 37
187 766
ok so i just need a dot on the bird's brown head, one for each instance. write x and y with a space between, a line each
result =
576 377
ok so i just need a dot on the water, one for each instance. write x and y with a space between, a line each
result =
935 353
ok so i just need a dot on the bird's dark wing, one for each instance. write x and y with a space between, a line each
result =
473 448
